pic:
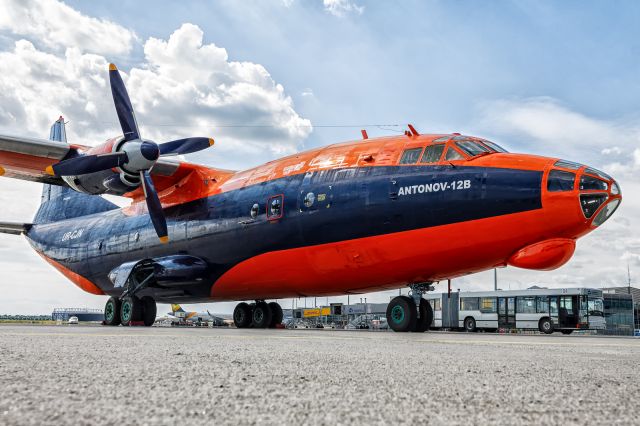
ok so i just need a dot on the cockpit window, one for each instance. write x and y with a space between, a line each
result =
452 154
472 148
432 153
410 156
494 146
442 139
593 171
560 181
591 183
568 164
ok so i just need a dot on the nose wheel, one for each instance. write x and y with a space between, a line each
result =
405 313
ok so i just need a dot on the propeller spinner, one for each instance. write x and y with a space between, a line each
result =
135 155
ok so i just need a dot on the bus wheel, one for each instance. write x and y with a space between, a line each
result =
546 326
426 316
112 311
470 324
242 315
566 331
401 314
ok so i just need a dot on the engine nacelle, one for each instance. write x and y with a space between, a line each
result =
117 181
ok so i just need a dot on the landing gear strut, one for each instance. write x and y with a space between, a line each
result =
258 315
411 313
129 309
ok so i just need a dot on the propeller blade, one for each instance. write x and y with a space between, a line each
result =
126 115
154 206
87 164
185 146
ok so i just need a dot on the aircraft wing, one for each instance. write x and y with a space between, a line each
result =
27 158
14 228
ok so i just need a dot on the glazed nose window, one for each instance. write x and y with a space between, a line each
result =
559 180
590 203
606 212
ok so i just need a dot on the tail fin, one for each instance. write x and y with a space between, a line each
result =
176 308
59 202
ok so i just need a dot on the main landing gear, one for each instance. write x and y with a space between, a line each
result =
130 310
410 313
257 315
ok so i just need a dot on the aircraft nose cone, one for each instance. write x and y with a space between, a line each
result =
150 150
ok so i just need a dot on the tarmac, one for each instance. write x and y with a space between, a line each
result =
114 375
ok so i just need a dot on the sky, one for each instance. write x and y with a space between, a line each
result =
270 78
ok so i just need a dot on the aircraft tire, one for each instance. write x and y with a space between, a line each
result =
242 315
149 310
426 316
402 314
112 311
131 310
262 315
276 314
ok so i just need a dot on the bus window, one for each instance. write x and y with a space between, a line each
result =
488 305
542 303
435 304
452 154
595 307
432 153
566 302
526 305
410 156
553 305
469 304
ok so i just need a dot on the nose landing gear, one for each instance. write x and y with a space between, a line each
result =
257 315
411 313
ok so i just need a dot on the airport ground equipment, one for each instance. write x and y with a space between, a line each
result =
355 217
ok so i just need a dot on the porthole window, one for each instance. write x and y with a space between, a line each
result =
276 207
309 199
255 209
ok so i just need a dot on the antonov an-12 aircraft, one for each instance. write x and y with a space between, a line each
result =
355 217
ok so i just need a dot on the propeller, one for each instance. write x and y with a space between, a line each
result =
134 156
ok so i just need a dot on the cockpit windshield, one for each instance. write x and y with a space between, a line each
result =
494 146
472 148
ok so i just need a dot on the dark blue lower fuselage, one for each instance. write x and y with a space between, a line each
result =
348 204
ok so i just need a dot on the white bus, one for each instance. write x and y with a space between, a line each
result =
547 310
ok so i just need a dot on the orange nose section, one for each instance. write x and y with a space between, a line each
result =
544 255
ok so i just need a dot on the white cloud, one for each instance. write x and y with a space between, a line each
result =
547 127
341 8
182 87
56 25
544 124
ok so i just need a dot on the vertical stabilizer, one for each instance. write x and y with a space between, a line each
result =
61 202
176 308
